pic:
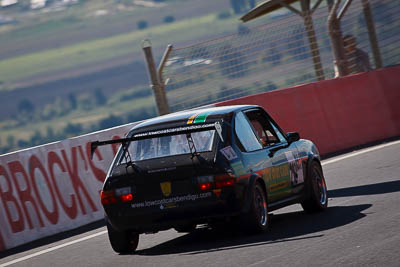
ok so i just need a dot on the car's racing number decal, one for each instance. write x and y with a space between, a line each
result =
296 169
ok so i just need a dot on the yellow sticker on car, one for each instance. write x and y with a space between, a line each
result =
166 188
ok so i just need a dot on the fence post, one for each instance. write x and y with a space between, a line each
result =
313 45
335 36
372 34
159 93
161 67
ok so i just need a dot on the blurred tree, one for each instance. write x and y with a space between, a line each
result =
240 6
61 106
142 92
22 143
224 15
230 93
110 121
73 129
252 4
26 107
199 52
232 62
10 141
237 6
273 54
50 136
143 114
36 139
270 86
72 100
297 46
86 103
142 24
169 19
100 98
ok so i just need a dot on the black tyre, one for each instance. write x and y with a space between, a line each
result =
316 190
122 241
257 219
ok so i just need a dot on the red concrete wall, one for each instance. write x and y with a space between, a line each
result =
340 113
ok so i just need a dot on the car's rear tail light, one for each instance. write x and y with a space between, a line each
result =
205 186
123 191
219 181
126 198
205 182
123 194
107 197
224 181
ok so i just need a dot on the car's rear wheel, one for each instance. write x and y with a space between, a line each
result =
257 219
122 241
316 190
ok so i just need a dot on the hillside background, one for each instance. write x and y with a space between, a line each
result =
71 67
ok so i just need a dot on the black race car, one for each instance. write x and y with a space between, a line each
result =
205 166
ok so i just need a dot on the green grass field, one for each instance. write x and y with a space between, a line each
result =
74 56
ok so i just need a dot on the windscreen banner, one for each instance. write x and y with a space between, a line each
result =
53 188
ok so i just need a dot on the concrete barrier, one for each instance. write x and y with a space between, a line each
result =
53 188
340 113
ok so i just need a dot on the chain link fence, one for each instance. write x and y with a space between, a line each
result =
272 56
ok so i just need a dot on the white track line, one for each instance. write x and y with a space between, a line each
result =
367 150
363 151
52 249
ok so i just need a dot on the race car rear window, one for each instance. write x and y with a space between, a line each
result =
171 145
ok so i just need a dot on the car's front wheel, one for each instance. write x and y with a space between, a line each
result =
316 190
257 219
122 241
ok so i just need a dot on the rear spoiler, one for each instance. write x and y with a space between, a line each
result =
158 133
94 145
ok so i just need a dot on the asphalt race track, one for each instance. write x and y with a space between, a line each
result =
360 228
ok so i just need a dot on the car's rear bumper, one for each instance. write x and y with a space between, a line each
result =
156 216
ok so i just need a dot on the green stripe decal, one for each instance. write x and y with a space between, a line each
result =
201 117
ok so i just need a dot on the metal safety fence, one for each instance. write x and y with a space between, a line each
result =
274 55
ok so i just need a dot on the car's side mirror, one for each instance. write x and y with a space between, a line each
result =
293 137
